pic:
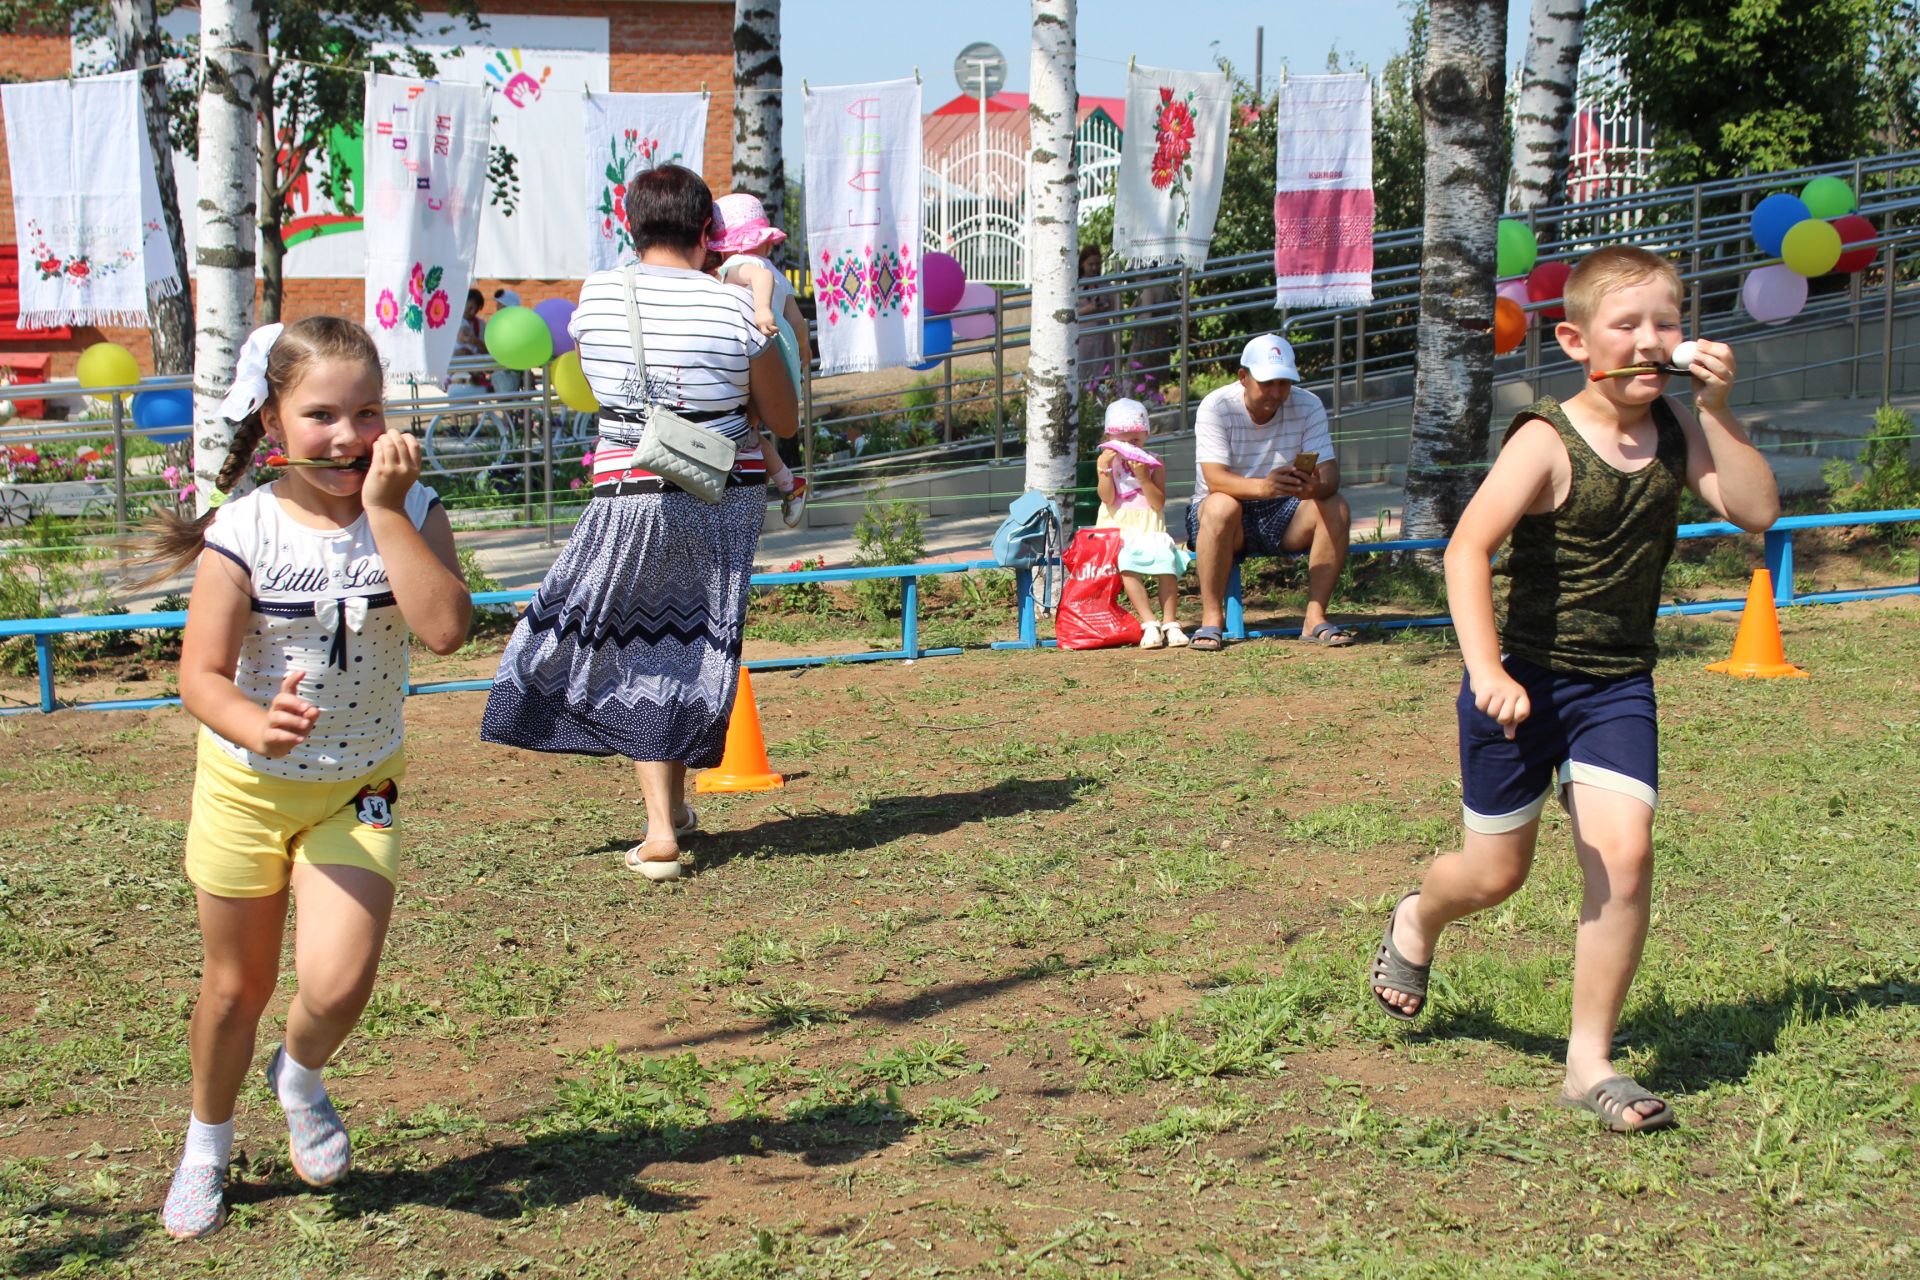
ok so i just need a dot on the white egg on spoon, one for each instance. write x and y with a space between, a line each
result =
1682 357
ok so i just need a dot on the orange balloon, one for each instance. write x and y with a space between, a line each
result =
1509 325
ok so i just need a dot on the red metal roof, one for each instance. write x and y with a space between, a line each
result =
965 105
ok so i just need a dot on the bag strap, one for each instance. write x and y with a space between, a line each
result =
633 332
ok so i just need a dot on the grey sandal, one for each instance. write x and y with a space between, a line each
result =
1391 969
1612 1100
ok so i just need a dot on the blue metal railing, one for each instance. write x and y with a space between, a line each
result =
1778 552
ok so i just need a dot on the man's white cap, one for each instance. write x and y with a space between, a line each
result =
1268 357
1126 415
506 297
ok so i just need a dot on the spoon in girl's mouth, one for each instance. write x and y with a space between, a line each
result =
327 464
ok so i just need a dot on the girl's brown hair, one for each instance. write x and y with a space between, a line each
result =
175 542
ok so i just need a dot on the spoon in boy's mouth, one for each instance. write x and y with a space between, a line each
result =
1680 362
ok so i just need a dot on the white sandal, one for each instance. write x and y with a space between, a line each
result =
662 868
1176 638
1150 637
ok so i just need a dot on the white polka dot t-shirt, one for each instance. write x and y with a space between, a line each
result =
322 605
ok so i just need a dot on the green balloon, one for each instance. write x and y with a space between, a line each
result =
518 338
1517 248
1828 198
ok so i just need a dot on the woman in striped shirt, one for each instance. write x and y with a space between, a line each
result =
632 644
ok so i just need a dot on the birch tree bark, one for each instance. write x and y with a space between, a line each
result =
1461 88
1053 245
136 45
224 257
1543 121
757 164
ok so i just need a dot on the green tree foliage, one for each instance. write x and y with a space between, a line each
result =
1765 84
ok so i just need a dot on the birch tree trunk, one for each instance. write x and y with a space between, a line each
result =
1543 122
136 45
757 164
229 179
1461 88
1053 245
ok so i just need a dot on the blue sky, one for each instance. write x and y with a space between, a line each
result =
850 41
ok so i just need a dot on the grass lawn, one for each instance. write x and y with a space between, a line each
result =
1043 965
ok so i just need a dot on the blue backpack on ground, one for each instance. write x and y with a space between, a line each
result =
1031 536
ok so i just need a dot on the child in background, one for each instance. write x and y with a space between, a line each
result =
295 663
1558 692
743 237
1133 499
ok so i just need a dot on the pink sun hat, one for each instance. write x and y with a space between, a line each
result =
740 225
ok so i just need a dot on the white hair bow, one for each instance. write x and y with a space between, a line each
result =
249 390
341 616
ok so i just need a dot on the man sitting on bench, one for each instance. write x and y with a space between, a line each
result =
1266 484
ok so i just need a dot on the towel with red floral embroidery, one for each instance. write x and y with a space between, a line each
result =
86 205
1323 192
426 174
627 134
1173 163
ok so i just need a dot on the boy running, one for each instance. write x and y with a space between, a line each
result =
1558 689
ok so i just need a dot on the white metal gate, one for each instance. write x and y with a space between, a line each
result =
973 201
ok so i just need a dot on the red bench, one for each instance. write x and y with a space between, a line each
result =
27 366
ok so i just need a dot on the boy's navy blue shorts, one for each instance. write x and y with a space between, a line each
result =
1599 730
1263 522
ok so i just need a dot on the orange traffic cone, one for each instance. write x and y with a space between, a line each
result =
1757 651
744 766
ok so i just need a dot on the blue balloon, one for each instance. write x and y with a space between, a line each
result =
936 339
1774 217
154 411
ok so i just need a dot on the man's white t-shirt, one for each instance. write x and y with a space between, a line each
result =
1224 433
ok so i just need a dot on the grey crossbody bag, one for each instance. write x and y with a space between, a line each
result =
691 457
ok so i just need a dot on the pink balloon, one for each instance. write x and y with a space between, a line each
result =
1774 294
971 327
1516 291
941 282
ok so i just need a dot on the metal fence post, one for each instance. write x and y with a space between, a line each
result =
119 464
1886 330
546 454
1186 352
946 398
1337 318
1693 293
910 617
1360 354
999 370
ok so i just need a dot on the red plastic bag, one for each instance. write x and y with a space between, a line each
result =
1090 616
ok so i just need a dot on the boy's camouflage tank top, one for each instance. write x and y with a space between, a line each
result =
1577 589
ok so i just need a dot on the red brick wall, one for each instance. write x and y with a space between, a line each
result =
655 46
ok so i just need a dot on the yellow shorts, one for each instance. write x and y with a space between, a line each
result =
248 829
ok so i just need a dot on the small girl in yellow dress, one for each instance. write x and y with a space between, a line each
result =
1133 499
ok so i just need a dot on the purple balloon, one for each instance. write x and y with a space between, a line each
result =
1774 294
969 328
557 312
942 280
1516 290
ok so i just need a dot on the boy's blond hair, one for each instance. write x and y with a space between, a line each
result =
1615 267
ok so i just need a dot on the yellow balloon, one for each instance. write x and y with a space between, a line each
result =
570 384
1811 247
107 364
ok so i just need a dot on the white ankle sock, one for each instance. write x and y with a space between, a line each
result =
785 483
208 1143
298 1086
